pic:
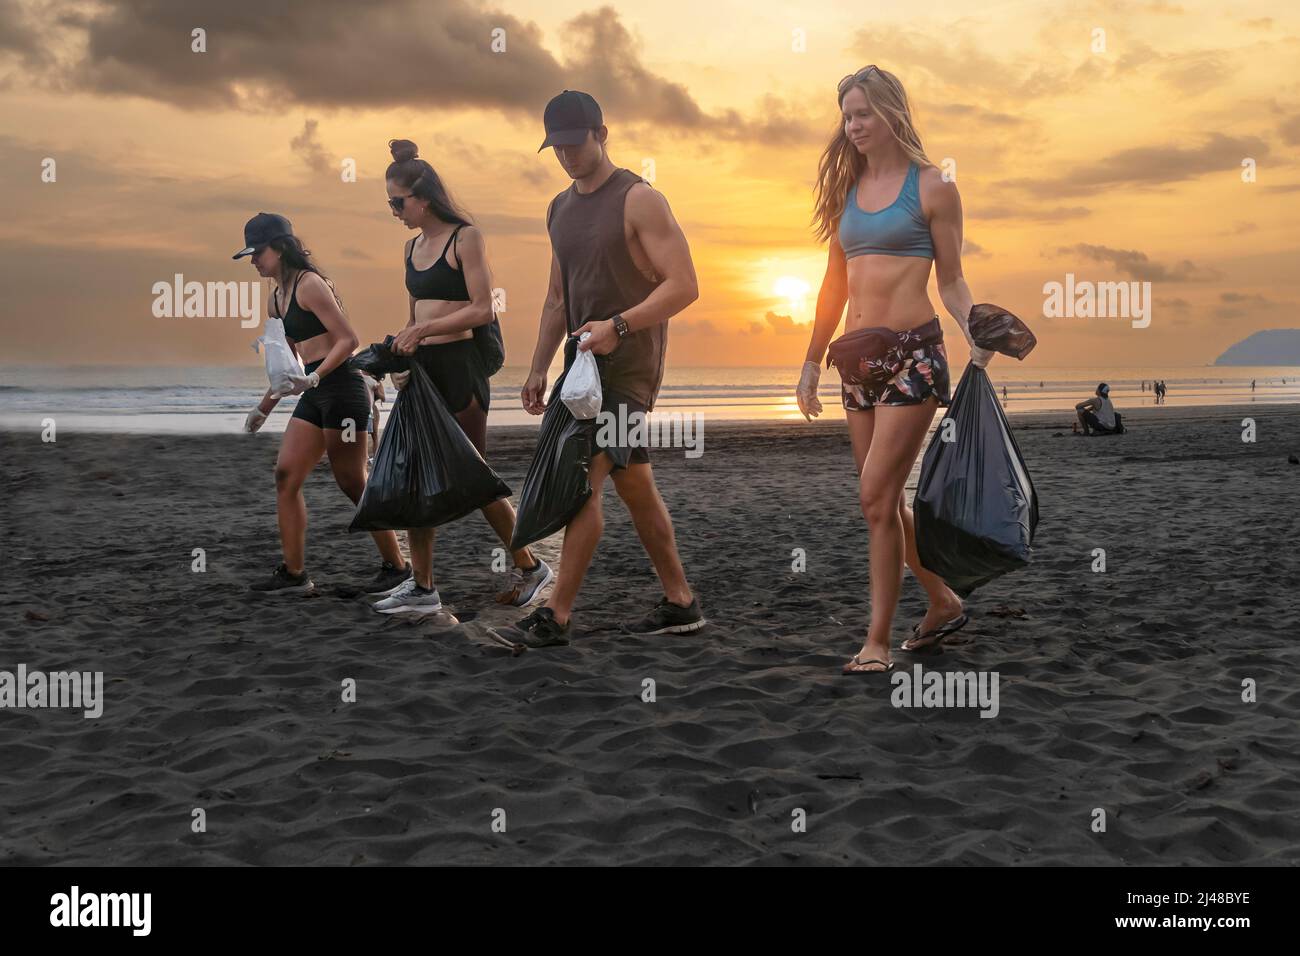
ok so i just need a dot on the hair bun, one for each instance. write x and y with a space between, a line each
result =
403 150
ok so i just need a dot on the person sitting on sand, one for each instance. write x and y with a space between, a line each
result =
1097 414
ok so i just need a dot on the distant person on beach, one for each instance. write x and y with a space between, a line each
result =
376 389
333 396
1252 384
620 269
887 213
1097 415
450 293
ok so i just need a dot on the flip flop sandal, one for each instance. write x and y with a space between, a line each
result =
932 637
889 666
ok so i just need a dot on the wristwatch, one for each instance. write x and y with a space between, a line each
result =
620 326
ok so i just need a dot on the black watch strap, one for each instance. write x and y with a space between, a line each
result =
620 326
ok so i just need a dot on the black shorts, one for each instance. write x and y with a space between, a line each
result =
340 396
618 440
457 372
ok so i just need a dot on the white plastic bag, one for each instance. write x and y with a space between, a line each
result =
581 391
280 360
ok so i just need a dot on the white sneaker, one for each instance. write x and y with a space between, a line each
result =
410 598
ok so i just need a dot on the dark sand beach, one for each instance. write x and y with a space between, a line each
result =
1119 690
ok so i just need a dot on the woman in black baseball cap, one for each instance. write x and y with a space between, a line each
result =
334 408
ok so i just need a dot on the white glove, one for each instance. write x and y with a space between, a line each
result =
980 357
256 418
399 379
806 392
303 382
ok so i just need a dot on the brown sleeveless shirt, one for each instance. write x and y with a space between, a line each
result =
600 280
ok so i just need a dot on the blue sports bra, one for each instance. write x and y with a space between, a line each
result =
899 229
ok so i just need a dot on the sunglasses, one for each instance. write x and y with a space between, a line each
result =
857 77
397 202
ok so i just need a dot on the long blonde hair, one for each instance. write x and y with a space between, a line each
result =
841 164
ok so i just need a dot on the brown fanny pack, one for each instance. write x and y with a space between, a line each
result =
873 356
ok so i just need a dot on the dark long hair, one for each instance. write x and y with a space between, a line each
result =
412 173
295 257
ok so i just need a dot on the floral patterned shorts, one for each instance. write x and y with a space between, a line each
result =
919 365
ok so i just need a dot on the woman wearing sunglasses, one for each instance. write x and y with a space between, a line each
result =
450 289
888 214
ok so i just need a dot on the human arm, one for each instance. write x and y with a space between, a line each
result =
946 236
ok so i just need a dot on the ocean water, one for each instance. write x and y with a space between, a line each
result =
207 399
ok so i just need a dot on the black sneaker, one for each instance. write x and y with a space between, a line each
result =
539 629
282 582
670 618
388 580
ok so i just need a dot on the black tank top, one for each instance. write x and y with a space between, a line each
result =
299 324
440 280
600 280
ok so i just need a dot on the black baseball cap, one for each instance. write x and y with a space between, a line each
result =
568 117
260 230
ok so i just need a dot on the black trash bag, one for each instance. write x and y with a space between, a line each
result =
993 327
976 508
427 472
379 360
558 484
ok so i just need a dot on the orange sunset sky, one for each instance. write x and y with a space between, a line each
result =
1115 165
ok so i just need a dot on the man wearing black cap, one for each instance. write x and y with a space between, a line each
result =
620 269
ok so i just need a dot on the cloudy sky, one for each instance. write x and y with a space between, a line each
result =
1122 164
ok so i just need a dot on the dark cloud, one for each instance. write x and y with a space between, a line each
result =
309 149
20 35
1146 166
379 54
784 324
1138 265
1289 130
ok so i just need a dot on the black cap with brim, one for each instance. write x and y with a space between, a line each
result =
564 137
260 230
569 116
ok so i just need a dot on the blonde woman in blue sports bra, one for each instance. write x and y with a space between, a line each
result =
888 214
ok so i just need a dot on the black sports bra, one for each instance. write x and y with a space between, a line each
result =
440 280
299 324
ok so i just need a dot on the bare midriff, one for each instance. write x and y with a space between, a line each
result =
313 349
888 292
426 309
